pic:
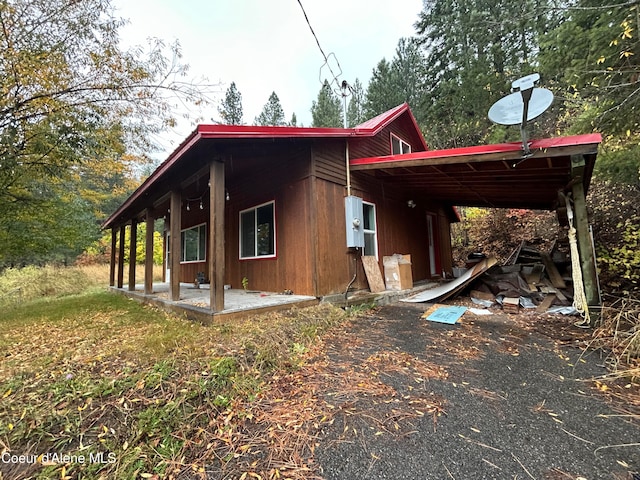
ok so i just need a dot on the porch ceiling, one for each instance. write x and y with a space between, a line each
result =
489 176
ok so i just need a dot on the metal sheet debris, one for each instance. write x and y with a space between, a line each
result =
449 289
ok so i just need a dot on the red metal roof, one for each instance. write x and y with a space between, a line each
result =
374 125
466 154
206 131
369 128
488 175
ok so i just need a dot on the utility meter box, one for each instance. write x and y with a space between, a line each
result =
354 215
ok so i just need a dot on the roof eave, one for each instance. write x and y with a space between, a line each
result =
582 144
191 140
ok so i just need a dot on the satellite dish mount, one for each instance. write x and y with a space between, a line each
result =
524 104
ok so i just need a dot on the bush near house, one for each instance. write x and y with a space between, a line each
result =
615 217
499 231
99 252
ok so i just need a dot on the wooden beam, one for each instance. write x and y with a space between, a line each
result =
148 253
165 246
202 172
313 228
176 244
112 263
216 235
554 275
581 224
121 257
133 244
480 157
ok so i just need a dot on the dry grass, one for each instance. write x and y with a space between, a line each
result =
166 397
619 334
19 285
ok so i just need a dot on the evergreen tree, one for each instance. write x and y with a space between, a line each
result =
272 113
408 71
294 120
327 110
231 108
382 93
355 109
474 50
593 60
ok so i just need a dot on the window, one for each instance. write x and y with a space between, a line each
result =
193 242
369 227
258 232
399 146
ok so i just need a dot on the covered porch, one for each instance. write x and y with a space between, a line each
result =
195 304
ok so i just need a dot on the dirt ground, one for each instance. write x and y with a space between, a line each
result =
492 397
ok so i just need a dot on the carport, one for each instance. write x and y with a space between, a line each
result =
500 176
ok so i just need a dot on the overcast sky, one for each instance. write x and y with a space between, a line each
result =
266 45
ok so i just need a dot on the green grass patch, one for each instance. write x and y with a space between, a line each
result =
132 390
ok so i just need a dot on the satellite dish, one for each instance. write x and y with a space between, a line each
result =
509 110
525 104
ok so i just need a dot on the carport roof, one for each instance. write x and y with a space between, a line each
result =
490 175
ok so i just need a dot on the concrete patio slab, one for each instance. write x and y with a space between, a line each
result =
195 302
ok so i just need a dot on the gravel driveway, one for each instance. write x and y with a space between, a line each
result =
493 397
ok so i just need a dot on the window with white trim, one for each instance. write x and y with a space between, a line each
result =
370 230
258 231
399 146
193 244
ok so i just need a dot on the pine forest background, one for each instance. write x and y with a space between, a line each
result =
79 115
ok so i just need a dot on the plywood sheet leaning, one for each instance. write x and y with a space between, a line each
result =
372 271
449 289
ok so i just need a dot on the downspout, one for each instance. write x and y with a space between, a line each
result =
355 273
346 154
345 88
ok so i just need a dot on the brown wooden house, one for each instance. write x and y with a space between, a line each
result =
268 203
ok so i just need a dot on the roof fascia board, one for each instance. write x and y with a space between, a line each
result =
551 147
166 165
257 132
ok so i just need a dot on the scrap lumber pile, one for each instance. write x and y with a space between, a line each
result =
528 279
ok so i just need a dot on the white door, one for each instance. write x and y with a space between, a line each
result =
432 245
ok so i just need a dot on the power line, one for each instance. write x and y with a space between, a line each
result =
324 55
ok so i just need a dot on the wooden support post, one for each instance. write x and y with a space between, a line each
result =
121 257
216 235
133 243
581 224
166 247
176 244
112 263
148 253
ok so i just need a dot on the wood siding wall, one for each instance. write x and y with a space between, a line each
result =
283 178
194 216
291 268
400 229
253 177
307 181
381 144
